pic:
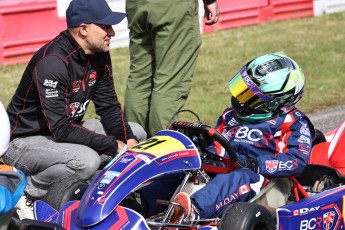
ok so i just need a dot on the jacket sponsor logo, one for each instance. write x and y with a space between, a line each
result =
272 121
298 114
243 189
77 109
76 86
304 139
272 165
73 108
51 93
50 83
303 148
230 199
304 130
232 132
92 78
250 134
288 165
232 122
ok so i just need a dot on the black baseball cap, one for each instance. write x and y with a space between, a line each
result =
91 11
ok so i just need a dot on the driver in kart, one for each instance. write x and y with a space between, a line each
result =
271 137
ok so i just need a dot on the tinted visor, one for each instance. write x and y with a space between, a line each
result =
246 91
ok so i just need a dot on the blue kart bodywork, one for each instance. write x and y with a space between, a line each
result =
322 211
99 207
326 209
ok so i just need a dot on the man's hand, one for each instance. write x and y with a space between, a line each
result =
120 146
131 143
211 14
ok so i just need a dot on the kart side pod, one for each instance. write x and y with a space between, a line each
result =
331 153
322 211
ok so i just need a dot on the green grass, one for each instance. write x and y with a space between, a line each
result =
316 43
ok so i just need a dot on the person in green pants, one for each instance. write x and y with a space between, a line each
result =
164 45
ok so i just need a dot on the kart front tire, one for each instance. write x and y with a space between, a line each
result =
65 190
249 216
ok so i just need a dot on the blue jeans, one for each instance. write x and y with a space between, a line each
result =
46 161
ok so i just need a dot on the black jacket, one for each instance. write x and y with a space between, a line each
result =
55 91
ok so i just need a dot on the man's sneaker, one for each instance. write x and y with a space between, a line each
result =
25 207
184 210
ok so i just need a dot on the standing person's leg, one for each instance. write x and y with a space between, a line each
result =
177 40
142 64
45 161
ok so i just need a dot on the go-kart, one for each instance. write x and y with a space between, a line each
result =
314 200
167 151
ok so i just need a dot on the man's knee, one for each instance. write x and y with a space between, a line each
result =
138 131
89 168
94 125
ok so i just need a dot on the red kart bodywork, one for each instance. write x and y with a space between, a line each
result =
331 153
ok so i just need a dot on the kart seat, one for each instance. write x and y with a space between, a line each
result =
275 194
331 153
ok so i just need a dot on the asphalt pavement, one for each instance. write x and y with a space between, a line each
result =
328 119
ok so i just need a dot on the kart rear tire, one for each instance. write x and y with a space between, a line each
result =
249 216
65 190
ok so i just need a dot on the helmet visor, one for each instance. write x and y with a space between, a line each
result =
246 91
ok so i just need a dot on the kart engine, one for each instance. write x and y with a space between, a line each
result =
325 183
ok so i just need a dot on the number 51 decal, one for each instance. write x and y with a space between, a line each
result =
149 143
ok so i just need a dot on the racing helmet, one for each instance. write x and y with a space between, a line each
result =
266 87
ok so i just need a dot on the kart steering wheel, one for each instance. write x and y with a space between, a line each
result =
203 136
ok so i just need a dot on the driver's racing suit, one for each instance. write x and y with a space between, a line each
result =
281 147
